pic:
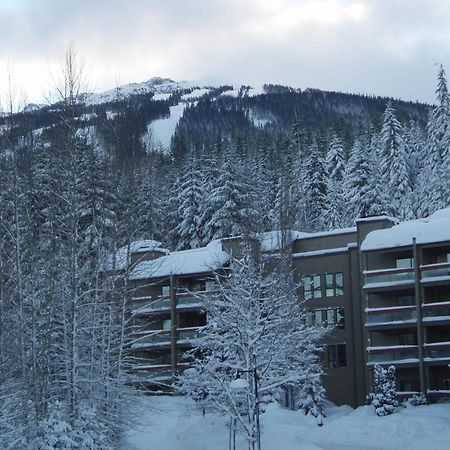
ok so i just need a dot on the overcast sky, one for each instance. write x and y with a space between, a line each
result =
387 47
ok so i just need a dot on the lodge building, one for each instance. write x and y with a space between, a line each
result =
382 286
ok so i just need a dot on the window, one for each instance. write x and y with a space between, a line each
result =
443 258
317 290
336 356
318 317
166 324
407 339
165 291
334 284
329 280
404 263
307 287
339 283
330 317
446 384
340 320
410 385
406 300
312 287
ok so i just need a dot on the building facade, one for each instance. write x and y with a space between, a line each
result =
382 287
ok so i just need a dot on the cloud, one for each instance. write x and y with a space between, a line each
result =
386 47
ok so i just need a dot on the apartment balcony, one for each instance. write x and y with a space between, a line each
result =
435 274
150 339
393 354
391 317
436 313
145 306
389 279
186 335
437 353
152 374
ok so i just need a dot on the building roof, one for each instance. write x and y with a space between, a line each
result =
186 262
435 228
121 258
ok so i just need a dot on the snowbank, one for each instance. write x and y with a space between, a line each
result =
176 423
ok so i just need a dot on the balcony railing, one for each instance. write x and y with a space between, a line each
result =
149 305
185 335
436 311
393 354
151 339
376 278
391 315
437 351
435 272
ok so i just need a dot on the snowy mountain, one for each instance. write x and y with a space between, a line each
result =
159 112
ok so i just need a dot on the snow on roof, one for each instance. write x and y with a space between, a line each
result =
435 228
186 262
141 246
326 251
376 218
329 233
271 240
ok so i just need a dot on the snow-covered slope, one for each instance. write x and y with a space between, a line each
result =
156 85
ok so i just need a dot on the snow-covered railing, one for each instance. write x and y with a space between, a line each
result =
436 311
145 339
439 392
390 275
393 353
390 315
433 271
187 334
150 305
439 350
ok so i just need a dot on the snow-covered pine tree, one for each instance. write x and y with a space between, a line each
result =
255 325
190 199
393 165
357 181
434 190
335 209
384 396
315 187
232 204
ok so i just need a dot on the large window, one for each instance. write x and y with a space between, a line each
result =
404 263
408 339
443 258
330 317
165 291
312 287
406 300
334 284
336 356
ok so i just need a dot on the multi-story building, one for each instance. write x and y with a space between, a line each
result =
382 287
406 285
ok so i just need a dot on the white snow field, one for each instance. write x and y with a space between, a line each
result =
176 423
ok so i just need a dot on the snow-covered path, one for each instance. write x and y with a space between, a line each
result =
177 424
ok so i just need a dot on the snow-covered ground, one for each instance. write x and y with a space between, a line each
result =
177 424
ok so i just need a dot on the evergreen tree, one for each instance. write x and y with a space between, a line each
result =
384 396
335 213
315 188
232 203
190 199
